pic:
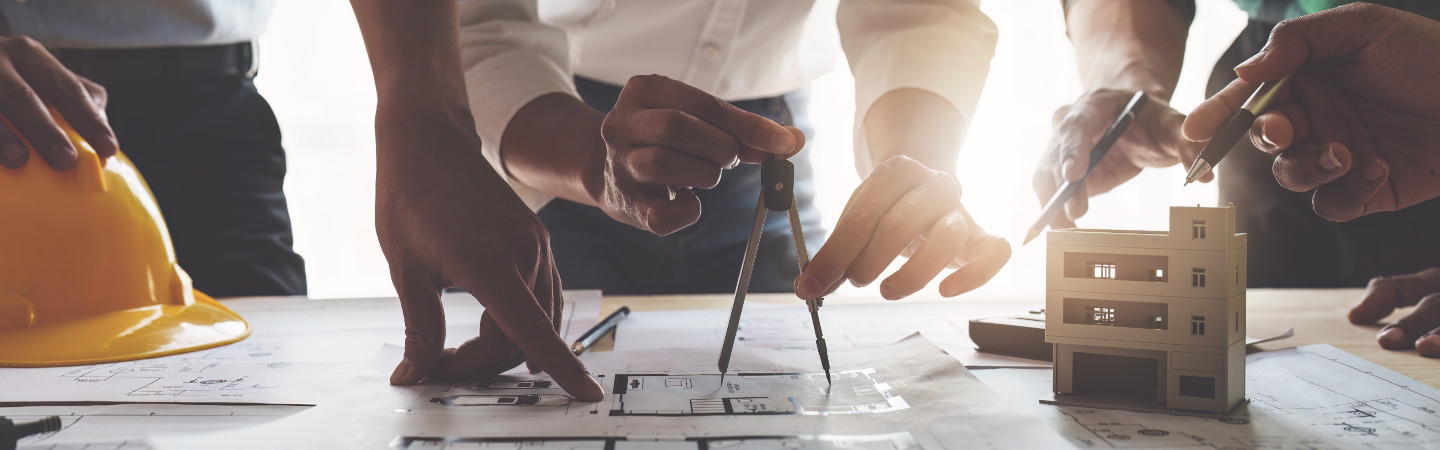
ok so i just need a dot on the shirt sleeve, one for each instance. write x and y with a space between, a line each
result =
940 46
1185 7
510 58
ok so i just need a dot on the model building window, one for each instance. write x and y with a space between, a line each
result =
1156 322
1159 275
1102 270
1101 316
1197 325
1197 277
1237 275
1197 229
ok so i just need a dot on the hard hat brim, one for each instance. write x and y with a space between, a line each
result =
126 335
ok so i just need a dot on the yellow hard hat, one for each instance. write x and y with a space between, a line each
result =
87 273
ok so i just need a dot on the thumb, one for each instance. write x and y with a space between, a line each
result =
1329 34
424 323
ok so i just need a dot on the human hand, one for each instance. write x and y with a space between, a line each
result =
665 138
905 208
1421 327
33 79
1152 140
446 218
1359 123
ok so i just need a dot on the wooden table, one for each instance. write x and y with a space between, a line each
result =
1317 315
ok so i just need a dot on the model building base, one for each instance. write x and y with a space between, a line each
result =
1112 402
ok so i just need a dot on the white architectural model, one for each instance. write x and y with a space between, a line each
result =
1149 320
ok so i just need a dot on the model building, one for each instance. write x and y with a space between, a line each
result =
1149 320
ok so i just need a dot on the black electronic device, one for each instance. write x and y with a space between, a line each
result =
1022 336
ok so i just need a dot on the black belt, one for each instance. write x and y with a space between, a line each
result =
161 63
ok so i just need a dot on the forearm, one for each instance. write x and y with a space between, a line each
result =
915 123
553 144
1128 44
415 60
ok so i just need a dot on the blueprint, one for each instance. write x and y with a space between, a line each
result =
893 441
1312 397
291 358
787 327
911 391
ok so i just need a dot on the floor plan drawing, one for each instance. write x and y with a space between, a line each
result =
854 392
1312 397
669 398
893 441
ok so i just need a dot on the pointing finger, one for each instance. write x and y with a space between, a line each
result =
516 310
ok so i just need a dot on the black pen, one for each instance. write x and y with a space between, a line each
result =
599 330
1117 128
1235 129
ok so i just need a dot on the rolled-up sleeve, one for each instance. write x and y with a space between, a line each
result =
940 46
510 58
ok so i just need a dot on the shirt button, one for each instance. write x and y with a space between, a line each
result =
710 51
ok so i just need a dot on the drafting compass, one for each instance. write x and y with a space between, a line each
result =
777 193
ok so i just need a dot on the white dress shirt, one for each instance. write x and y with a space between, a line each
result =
92 24
514 51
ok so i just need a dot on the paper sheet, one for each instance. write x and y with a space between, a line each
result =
1310 397
787 327
909 391
121 427
301 351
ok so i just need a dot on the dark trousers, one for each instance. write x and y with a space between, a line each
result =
1291 246
594 251
209 147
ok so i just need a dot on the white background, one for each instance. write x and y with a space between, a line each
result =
315 74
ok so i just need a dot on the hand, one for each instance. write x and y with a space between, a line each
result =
32 80
1153 140
905 208
1420 328
446 218
1360 122
665 138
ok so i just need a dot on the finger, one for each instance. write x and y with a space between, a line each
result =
870 202
681 131
24 109
13 152
1429 344
1078 204
1313 37
673 215
1405 332
424 323
98 95
488 353
63 90
658 92
1354 194
943 242
1384 294
517 312
665 166
1279 128
1306 167
1212 114
1078 136
992 252
557 299
915 212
